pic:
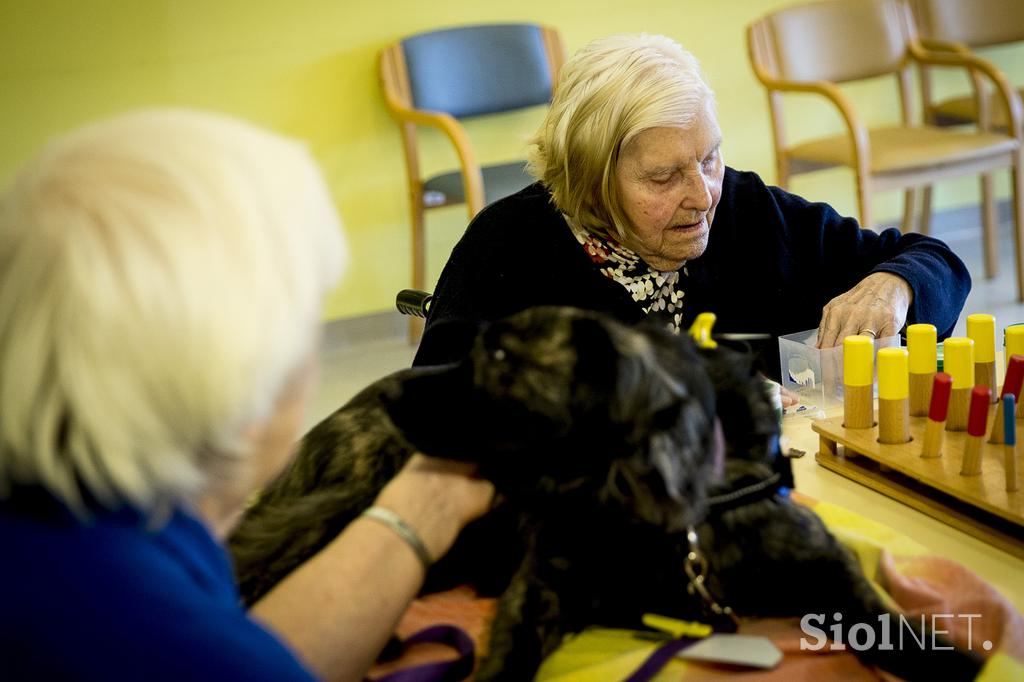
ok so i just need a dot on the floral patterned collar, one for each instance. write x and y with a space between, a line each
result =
655 291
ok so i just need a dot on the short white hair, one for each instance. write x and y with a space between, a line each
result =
161 280
609 92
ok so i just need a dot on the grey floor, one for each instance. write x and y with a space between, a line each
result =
352 361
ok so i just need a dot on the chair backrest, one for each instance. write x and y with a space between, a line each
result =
975 23
475 70
833 40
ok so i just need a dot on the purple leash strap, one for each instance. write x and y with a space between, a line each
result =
440 671
659 658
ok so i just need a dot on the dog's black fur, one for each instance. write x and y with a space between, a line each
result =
599 440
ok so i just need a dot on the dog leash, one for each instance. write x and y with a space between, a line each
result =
696 567
439 671
660 658
761 489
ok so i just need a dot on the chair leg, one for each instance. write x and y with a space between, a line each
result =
864 202
926 210
782 171
419 262
1017 182
416 325
989 224
909 201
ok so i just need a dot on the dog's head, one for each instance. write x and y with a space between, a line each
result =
559 401
742 404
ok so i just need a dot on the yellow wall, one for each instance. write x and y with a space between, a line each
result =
307 68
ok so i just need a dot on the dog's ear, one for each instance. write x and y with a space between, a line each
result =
749 420
665 397
656 370
433 408
449 341
643 389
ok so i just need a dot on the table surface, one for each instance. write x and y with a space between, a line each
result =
1004 571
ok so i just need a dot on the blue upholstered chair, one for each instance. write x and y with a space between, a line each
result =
436 78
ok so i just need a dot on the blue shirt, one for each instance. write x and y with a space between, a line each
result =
113 600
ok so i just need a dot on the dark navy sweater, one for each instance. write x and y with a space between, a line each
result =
772 262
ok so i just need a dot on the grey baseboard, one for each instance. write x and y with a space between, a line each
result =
345 332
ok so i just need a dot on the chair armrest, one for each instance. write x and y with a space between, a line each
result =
977 86
395 85
975 65
472 176
856 128
935 45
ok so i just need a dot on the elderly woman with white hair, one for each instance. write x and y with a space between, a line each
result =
161 282
635 214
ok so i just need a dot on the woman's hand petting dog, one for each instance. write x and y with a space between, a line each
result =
442 495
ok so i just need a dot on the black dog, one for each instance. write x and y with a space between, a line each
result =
599 439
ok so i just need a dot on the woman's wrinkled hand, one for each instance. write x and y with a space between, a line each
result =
437 497
876 307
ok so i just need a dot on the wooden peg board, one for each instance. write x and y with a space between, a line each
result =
977 505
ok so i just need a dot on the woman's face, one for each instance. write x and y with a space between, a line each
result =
276 443
272 443
669 181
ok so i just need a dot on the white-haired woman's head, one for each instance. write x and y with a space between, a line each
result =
161 280
607 93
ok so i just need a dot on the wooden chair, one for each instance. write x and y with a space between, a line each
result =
812 48
435 78
960 26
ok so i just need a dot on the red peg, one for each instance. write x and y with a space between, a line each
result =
1014 377
976 422
941 386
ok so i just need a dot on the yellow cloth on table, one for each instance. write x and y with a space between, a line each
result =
599 654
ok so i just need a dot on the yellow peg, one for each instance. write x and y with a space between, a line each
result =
893 401
1014 341
893 382
921 340
981 328
858 363
958 362
700 330
858 360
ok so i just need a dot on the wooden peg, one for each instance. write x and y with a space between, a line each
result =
1011 386
981 328
971 464
1013 341
958 362
893 392
939 407
1007 407
858 381
923 361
